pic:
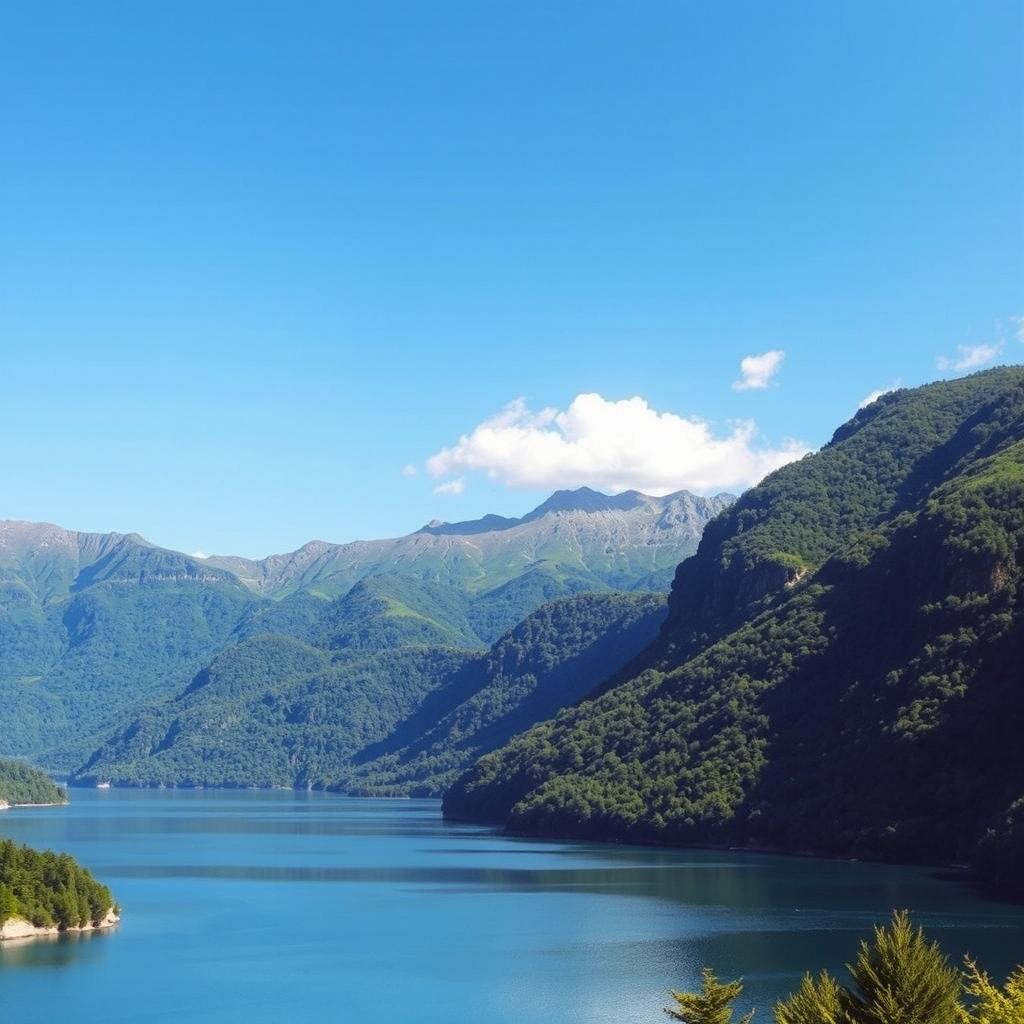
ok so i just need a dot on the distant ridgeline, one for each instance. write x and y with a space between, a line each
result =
841 668
331 666
22 784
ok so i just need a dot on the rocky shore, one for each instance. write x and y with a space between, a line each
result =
19 928
6 805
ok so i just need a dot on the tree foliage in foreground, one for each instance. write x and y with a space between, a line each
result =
899 977
711 1005
992 1004
902 978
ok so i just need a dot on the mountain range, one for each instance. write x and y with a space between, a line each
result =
625 541
97 627
836 669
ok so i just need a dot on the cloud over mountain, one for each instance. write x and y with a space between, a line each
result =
612 445
969 357
874 396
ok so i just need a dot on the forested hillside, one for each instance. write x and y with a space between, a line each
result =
840 671
277 711
546 663
93 623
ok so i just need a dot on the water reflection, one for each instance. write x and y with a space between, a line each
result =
53 950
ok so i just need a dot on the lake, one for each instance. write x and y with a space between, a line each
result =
281 906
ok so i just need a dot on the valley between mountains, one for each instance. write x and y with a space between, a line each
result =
836 669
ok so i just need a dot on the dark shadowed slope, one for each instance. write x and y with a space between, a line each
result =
840 671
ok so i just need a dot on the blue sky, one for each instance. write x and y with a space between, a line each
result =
257 258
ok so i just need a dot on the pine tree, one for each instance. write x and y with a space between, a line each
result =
901 978
993 1005
66 909
712 1005
817 1001
8 904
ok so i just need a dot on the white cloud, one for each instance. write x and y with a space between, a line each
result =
408 469
456 486
874 396
199 554
613 446
969 357
756 372
1018 325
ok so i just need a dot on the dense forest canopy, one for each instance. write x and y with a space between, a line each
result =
374 710
49 889
22 784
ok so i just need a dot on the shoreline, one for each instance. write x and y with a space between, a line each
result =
639 843
6 805
17 929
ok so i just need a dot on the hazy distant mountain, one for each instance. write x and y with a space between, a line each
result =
93 626
615 541
93 623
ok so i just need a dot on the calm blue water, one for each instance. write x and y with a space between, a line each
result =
290 906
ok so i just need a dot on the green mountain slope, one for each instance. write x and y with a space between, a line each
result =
272 711
278 711
291 707
885 460
840 669
384 612
93 624
22 784
547 662
96 627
